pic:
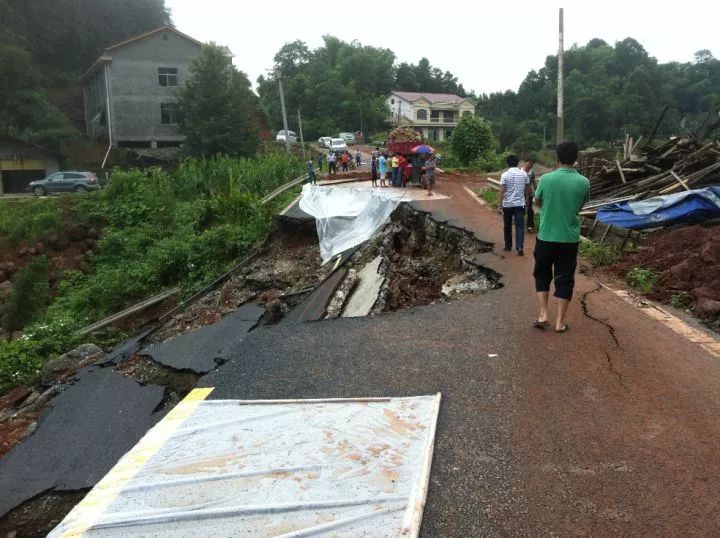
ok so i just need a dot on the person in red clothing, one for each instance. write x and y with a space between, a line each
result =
402 163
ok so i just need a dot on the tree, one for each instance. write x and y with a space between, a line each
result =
24 110
71 34
472 138
29 297
218 111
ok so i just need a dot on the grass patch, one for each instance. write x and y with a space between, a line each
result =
160 230
599 254
643 280
491 196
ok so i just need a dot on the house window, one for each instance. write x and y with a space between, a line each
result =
466 113
168 113
422 114
434 135
168 76
449 116
448 133
392 101
435 116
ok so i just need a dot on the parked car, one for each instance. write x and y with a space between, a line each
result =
65 182
338 145
349 138
324 141
292 137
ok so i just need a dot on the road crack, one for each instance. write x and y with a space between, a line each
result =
613 371
586 313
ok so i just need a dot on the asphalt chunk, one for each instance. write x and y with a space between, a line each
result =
203 349
89 427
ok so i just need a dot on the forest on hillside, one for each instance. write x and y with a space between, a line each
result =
44 49
342 86
609 91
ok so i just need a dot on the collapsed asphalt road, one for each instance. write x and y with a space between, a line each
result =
610 428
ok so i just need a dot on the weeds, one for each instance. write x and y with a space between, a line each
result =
599 254
681 300
643 280
160 230
491 196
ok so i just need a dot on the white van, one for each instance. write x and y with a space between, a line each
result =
291 136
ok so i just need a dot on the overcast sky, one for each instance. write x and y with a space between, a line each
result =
489 48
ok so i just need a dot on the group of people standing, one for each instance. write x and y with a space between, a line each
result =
398 169
561 195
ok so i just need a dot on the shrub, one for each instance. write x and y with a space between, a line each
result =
472 138
599 254
643 280
29 297
160 230
491 196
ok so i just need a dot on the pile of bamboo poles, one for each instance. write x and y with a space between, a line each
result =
679 163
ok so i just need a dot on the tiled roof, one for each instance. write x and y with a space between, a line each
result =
432 97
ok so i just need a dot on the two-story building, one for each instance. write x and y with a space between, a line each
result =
433 114
130 90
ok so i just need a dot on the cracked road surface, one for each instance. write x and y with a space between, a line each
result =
608 429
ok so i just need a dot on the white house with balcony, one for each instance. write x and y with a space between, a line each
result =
433 114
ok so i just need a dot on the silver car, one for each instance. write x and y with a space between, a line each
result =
65 182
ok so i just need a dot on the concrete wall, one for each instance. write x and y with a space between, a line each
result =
136 94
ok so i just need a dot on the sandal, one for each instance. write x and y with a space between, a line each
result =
564 329
541 324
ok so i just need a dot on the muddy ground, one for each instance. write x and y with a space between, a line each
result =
686 260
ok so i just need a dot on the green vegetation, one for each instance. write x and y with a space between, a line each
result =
30 219
491 196
681 299
472 139
643 280
29 297
342 86
599 254
45 47
160 230
609 91
218 110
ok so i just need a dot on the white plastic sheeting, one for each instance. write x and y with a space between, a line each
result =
286 468
346 217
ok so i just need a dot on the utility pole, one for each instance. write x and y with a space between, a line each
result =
302 140
284 115
560 112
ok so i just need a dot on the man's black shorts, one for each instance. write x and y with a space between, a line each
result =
555 261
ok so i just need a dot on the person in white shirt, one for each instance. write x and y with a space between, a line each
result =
514 190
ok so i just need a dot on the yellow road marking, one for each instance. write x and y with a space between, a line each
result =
91 508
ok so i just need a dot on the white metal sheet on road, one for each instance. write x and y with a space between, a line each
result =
224 468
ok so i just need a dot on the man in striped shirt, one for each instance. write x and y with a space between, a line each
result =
514 190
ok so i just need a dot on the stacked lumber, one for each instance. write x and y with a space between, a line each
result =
679 163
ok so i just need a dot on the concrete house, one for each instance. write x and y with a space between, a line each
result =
130 90
434 114
22 162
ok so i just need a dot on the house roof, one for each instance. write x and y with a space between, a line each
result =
152 32
106 57
430 97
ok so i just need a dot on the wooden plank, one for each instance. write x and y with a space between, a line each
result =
677 177
622 174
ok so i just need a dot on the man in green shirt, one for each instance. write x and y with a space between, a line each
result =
560 196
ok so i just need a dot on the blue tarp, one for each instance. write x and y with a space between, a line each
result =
691 207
